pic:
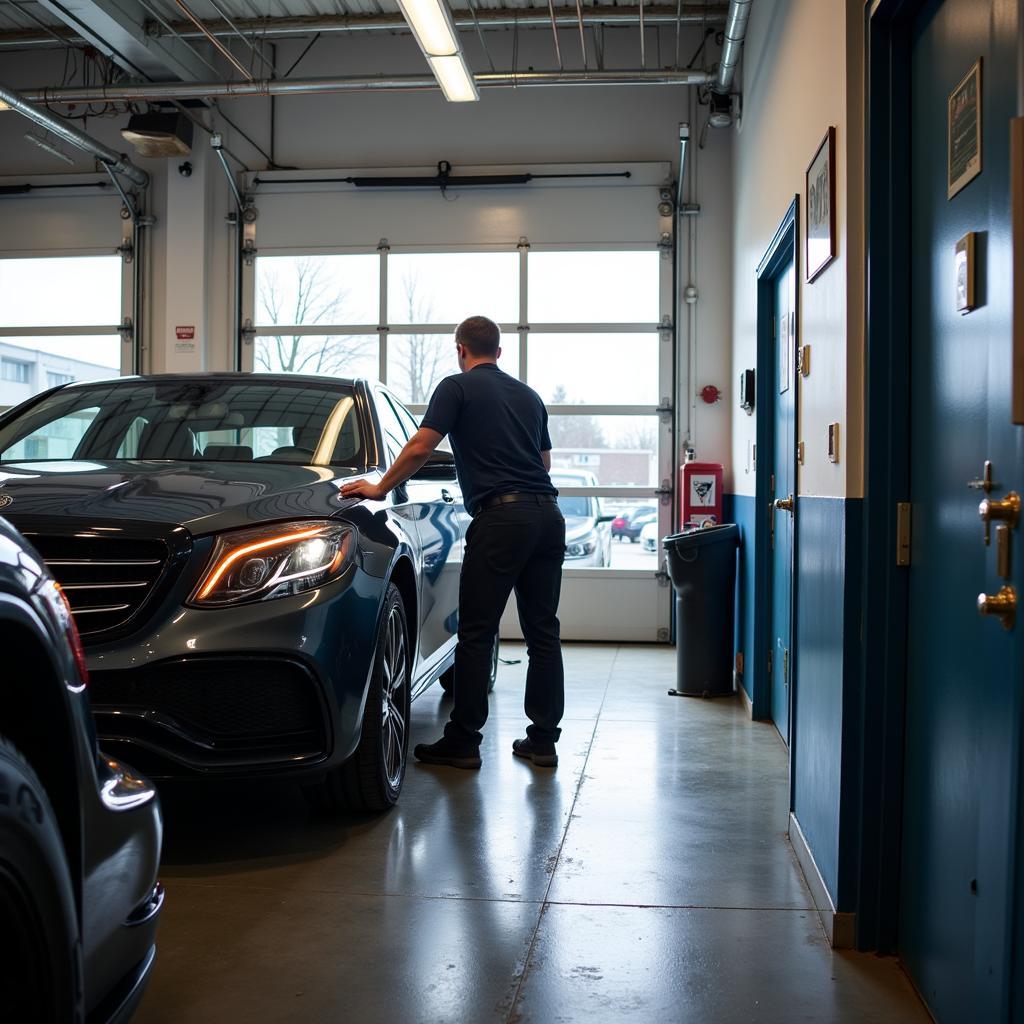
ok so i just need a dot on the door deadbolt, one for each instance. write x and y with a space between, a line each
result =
993 510
1002 606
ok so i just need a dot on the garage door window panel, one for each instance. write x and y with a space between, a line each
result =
66 291
330 355
613 287
596 369
447 287
311 290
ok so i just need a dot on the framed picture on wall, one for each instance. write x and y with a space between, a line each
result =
964 131
820 194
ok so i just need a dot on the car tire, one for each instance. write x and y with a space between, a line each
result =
371 779
447 677
41 968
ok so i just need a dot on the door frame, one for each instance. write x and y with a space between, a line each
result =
784 246
881 709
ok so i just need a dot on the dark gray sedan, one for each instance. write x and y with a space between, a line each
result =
240 617
80 832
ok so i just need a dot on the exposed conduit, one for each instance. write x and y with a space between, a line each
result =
154 91
117 162
732 45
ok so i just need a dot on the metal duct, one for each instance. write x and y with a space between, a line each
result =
117 162
735 33
305 25
360 83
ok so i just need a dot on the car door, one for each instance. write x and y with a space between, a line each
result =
436 509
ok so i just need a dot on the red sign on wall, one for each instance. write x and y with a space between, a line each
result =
185 333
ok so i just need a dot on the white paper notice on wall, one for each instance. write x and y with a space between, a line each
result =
185 347
702 490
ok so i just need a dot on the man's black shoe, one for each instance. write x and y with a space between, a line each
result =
445 752
541 754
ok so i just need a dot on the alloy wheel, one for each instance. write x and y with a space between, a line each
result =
393 724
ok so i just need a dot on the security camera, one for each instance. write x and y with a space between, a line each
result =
185 169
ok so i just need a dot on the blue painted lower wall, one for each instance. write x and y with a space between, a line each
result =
826 660
740 509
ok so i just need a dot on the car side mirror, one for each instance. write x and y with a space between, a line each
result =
439 466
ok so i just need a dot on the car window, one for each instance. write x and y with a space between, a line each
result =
192 419
394 432
58 438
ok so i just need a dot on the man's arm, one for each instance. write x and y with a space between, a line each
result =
410 461
545 457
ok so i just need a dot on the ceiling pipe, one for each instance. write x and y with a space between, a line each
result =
277 28
116 162
732 45
155 91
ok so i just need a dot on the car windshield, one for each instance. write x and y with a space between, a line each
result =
576 506
190 420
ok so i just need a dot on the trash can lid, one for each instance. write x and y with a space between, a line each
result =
724 533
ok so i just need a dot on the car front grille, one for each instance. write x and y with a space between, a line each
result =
212 713
107 580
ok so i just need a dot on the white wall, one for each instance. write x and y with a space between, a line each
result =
795 81
189 280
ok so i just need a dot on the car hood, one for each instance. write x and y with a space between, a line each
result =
204 497
578 526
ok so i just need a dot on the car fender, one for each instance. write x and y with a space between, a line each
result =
66 767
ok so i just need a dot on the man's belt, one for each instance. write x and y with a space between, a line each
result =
516 496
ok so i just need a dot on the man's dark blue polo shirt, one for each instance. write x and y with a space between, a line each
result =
498 427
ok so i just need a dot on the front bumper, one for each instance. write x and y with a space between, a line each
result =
274 687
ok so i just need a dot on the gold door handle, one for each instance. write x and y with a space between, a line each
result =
1005 511
1002 606
784 504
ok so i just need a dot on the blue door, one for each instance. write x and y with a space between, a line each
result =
963 670
783 502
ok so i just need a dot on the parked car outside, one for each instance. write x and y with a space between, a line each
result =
240 617
80 833
629 527
621 519
649 536
588 535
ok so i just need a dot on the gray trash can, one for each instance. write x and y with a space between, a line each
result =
702 567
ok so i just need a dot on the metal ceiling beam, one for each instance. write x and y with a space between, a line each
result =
119 29
356 83
489 18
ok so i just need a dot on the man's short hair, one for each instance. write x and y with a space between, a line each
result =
481 336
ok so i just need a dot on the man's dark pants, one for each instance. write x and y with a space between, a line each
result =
515 545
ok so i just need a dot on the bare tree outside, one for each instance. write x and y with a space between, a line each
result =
309 295
421 360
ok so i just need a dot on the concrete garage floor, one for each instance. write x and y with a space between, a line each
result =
647 879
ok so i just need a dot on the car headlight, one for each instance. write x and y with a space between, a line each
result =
581 546
274 561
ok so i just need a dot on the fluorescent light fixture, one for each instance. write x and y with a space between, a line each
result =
455 78
431 24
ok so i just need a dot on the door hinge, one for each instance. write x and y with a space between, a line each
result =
664 492
903 533
662 577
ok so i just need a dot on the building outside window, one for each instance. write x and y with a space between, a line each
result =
15 371
55 380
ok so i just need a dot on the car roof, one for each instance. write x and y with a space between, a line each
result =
282 378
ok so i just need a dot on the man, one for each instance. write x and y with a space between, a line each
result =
499 434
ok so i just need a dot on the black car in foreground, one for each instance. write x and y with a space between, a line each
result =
240 617
80 833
